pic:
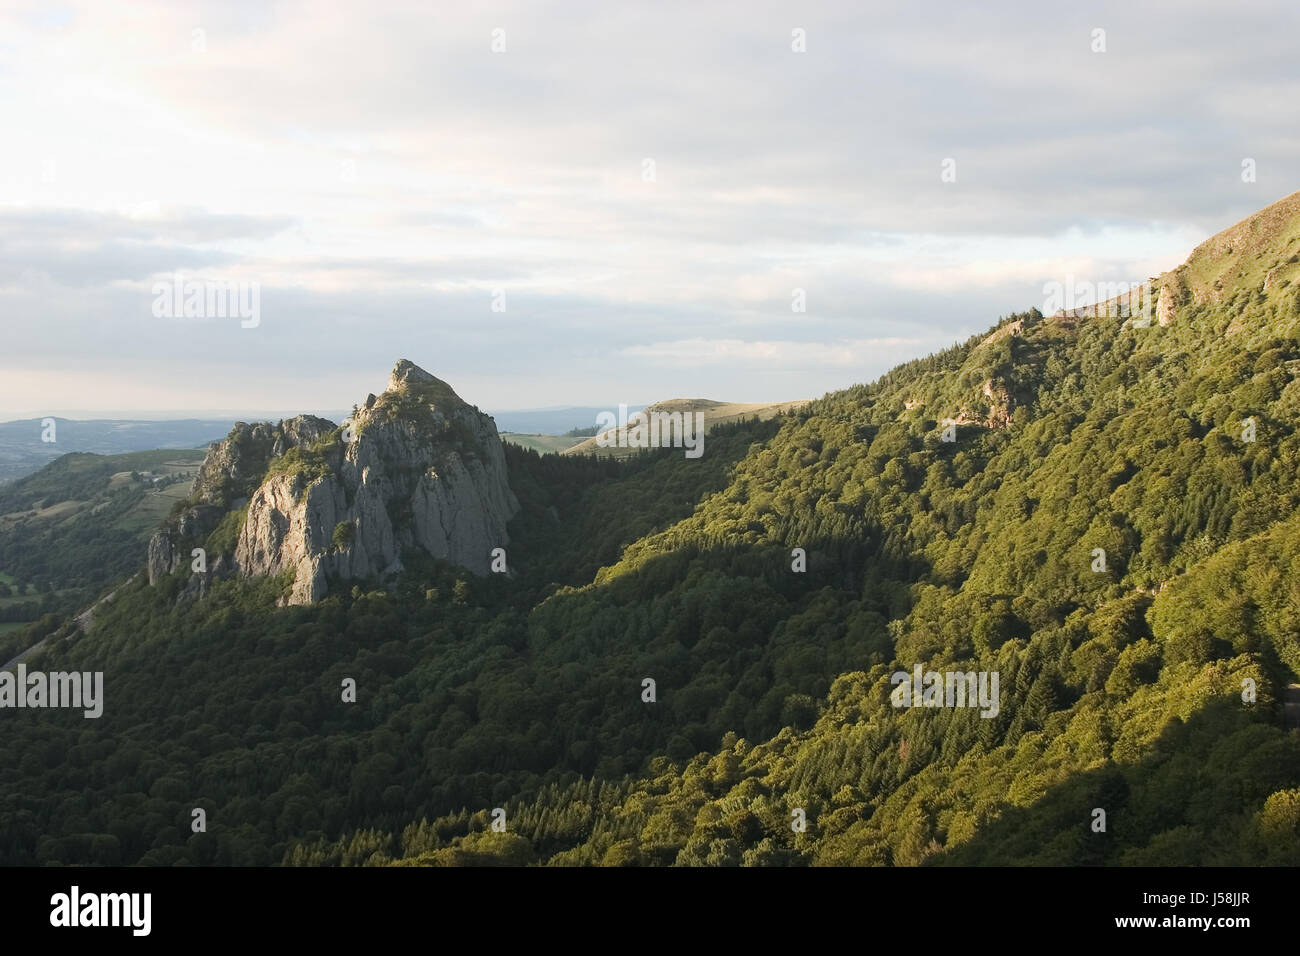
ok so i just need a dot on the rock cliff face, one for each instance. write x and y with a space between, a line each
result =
231 471
1165 306
416 467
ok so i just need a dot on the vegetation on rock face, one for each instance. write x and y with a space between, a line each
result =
1173 450
226 535
343 534
308 462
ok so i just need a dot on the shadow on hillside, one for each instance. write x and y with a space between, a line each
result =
733 638
1201 776
464 700
578 513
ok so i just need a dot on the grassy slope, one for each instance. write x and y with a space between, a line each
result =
82 523
715 414
542 444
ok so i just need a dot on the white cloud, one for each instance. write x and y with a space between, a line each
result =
380 172
857 353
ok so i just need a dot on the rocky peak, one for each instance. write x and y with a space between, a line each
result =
406 372
413 391
417 468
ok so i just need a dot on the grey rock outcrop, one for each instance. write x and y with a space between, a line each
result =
416 468
235 466
1165 311
170 547
232 469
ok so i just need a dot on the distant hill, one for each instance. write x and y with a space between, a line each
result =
79 524
542 444
23 452
715 414
549 421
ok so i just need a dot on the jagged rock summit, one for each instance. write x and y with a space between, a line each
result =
416 467
406 372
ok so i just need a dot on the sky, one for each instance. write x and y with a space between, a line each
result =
587 203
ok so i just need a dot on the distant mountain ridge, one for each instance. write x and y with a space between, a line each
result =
22 450
549 421
613 441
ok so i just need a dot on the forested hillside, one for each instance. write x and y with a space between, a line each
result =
77 526
1145 684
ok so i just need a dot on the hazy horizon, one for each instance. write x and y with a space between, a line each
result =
209 414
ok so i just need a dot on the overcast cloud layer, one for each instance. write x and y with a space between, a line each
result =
384 176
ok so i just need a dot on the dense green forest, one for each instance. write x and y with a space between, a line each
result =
1147 686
